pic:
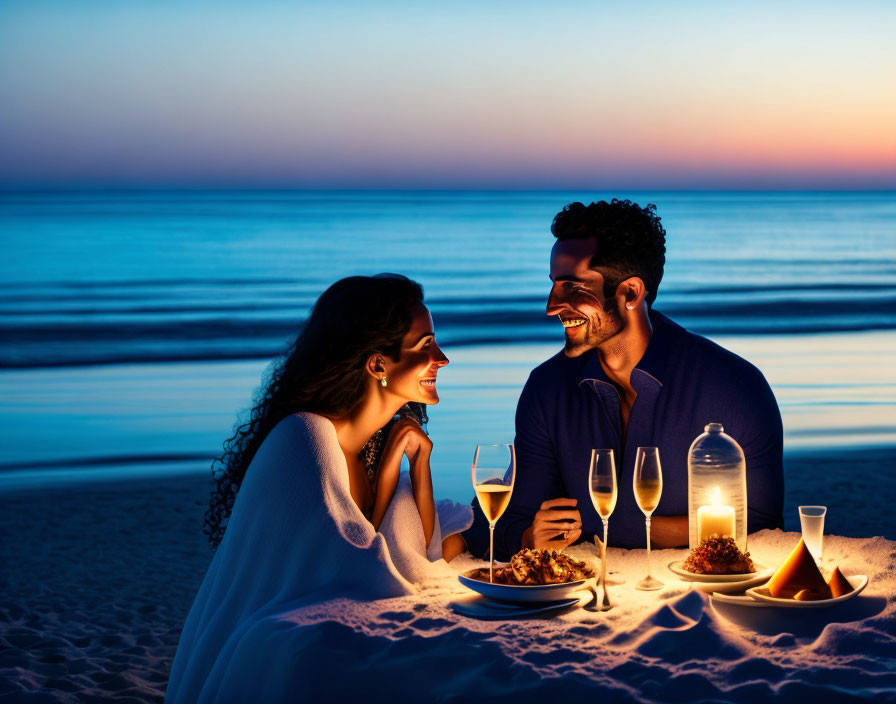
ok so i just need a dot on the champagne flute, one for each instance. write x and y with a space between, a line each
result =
494 471
603 491
648 487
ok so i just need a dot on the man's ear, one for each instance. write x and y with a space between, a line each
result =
633 292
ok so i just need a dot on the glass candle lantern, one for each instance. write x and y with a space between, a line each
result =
717 488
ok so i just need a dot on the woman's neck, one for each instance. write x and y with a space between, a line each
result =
354 430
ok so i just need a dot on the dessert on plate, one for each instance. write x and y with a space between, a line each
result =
799 578
838 584
718 555
537 567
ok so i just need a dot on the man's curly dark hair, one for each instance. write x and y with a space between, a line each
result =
631 240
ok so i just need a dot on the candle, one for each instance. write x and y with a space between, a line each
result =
715 518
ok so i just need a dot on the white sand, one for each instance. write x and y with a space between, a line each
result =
670 645
96 583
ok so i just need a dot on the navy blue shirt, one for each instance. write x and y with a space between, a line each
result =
683 381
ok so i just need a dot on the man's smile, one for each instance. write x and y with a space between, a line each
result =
572 322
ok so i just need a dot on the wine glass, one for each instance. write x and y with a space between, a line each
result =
494 471
648 487
603 491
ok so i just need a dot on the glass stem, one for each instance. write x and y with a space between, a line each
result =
648 546
491 553
603 560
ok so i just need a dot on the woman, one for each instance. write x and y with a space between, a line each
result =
309 503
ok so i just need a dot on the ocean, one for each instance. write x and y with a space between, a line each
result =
136 326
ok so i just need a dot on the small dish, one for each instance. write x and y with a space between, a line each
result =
858 582
677 566
732 587
738 599
487 610
524 593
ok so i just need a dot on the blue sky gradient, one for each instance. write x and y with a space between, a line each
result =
448 95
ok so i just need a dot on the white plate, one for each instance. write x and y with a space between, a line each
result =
677 566
523 593
485 609
728 587
738 599
858 582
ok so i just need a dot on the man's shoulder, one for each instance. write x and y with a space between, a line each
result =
709 358
722 360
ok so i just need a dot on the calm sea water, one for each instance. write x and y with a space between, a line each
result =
135 326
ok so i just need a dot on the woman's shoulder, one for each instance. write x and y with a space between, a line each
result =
304 421
305 428
313 421
305 438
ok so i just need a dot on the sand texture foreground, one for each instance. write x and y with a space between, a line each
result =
97 581
96 584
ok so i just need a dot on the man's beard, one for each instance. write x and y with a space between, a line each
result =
611 325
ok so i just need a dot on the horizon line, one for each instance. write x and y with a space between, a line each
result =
404 189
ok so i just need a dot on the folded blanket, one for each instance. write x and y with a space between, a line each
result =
403 531
295 538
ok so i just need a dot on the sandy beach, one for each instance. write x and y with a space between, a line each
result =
96 584
98 577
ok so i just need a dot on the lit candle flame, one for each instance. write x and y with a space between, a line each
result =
717 497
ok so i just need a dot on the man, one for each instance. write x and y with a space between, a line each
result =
628 376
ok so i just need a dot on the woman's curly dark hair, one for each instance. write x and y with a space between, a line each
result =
323 371
632 241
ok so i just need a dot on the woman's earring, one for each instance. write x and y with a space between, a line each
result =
383 380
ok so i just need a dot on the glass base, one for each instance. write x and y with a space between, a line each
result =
649 584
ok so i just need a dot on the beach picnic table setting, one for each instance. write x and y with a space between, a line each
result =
732 618
690 640
719 564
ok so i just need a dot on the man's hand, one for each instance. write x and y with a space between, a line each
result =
555 518
669 531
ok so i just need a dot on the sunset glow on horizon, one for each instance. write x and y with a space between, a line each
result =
388 95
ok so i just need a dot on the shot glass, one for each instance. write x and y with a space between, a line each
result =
812 524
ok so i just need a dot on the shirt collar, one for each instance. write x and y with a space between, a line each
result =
656 357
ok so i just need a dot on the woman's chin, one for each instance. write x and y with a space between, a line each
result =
430 398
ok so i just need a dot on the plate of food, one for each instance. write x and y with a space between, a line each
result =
489 610
857 583
531 576
718 559
733 587
799 583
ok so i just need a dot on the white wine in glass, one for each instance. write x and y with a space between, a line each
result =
494 471
648 488
603 490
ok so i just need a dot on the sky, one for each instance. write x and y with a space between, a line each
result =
448 94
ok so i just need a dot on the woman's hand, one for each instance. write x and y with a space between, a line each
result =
407 438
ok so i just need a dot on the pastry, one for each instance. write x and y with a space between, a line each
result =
799 578
718 555
838 584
